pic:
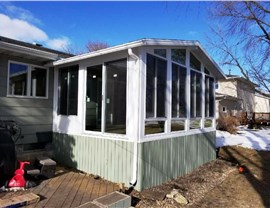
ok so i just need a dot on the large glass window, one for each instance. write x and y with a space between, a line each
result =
209 96
155 87
93 98
156 79
195 94
27 80
178 91
116 84
68 87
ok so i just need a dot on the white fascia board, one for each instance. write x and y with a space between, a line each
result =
143 42
211 59
28 51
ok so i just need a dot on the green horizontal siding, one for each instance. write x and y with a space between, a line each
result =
110 159
166 159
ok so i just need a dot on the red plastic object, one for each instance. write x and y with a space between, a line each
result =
18 180
241 169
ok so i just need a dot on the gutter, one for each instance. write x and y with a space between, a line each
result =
135 147
28 51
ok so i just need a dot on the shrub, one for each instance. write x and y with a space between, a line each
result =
228 123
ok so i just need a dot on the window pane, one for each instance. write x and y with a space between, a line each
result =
17 79
154 127
206 95
150 85
194 62
161 87
195 124
182 92
208 123
178 91
160 52
93 98
179 56
116 97
155 87
63 92
68 86
195 94
206 71
192 93
198 95
73 91
178 126
211 97
175 90
38 82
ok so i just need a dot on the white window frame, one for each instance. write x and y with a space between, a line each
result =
224 107
30 68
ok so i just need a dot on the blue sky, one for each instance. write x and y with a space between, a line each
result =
71 25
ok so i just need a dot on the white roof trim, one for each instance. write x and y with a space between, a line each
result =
142 42
28 51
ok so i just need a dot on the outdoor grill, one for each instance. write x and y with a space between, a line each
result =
9 134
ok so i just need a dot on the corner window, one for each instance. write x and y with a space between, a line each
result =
68 90
27 80
160 52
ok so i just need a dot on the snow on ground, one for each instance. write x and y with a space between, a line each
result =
248 138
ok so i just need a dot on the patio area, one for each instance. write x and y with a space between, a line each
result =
67 189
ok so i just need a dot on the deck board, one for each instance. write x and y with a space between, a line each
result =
67 189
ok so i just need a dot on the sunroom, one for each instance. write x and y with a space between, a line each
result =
139 113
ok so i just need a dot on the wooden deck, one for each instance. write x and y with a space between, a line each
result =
67 189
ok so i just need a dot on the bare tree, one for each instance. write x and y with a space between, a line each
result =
96 45
242 38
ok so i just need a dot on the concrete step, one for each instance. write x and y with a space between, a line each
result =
112 200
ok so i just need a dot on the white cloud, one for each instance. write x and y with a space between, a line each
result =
59 43
18 13
22 30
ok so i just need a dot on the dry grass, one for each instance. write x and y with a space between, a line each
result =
228 123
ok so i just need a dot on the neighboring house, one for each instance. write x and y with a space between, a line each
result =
262 104
26 90
140 113
235 95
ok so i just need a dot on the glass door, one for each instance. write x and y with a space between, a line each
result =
93 98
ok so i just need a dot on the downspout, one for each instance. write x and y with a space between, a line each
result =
135 148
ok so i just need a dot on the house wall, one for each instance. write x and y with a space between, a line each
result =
233 108
247 94
158 161
227 88
32 114
262 104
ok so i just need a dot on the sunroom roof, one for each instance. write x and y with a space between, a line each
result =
148 42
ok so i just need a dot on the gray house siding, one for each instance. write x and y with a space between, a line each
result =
158 161
34 115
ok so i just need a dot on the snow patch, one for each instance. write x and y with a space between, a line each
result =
248 138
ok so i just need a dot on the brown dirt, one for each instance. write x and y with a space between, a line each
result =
219 183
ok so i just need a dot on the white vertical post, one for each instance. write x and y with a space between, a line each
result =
188 83
142 92
103 95
203 96
168 93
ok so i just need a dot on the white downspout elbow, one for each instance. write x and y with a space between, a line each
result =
135 148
